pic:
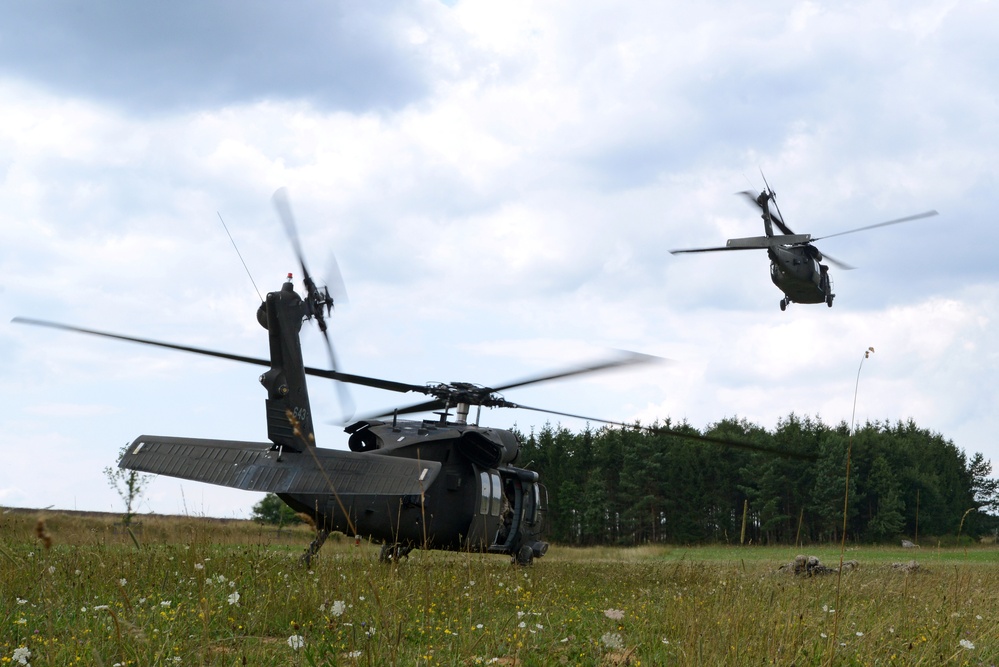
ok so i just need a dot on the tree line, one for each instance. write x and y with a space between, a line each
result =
630 486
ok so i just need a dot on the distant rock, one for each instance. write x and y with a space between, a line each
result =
911 566
810 566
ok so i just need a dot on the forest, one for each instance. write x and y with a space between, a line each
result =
636 486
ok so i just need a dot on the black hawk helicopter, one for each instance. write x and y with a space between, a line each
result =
796 266
444 483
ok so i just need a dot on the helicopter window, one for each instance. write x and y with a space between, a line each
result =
497 497
486 491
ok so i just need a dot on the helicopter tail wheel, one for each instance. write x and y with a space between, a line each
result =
783 304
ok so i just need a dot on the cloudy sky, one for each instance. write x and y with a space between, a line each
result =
500 184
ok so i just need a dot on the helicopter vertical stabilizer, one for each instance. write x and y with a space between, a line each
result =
289 415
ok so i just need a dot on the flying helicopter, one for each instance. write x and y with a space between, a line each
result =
445 483
796 266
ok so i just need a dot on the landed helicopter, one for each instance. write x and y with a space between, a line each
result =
444 483
796 266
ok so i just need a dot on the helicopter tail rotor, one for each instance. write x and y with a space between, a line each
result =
318 302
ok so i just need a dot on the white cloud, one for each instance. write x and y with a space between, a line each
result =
509 210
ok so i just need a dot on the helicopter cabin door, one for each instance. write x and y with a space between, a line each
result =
510 505
489 505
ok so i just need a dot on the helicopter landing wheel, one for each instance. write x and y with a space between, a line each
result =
829 300
783 305
525 556
391 553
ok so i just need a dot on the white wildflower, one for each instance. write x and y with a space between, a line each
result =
21 655
966 644
123 581
296 642
614 614
612 640
234 598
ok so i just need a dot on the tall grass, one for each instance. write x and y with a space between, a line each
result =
200 592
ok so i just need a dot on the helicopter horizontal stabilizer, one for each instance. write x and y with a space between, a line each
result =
768 241
256 466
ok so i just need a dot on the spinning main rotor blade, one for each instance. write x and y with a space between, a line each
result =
719 248
627 359
680 434
487 395
918 216
838 263
427 406
317 372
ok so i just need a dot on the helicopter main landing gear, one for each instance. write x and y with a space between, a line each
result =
783 303
829 299
391 553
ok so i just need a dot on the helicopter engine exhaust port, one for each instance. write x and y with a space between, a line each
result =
490 452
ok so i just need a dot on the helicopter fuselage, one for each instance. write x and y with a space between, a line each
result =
797 272
406 484
473 503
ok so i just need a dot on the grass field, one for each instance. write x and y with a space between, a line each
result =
189 591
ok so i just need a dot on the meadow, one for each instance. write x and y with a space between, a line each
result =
80 589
